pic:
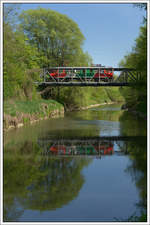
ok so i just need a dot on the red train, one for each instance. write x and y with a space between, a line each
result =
58 74
83 73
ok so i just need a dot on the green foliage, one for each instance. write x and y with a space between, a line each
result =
136 96
46 38
57 38
39 182
31 107
138 57
10 13
134 218
131 125
138 170
141 5
76 97
43 38
26 120
20 112
19 59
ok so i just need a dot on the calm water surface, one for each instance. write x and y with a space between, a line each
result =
58 169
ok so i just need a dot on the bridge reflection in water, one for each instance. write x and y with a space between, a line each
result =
96 146
82 150
60 177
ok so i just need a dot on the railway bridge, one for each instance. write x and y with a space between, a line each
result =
85 76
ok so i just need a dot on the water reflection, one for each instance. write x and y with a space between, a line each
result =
55 169
138 169
131 125
81 150
47 174
33 181
82 147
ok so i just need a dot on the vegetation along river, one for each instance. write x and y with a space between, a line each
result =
60 170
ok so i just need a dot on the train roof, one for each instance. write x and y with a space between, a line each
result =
79 68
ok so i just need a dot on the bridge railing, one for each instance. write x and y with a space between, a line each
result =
129 76
85 76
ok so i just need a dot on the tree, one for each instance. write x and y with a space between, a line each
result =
55 35
141 5
136 96
11 13
20 58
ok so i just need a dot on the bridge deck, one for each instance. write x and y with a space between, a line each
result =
93 68
83 84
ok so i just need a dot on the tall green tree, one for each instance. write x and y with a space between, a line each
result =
20 58
58 40
57 37
136 96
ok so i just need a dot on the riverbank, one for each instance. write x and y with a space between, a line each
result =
96 105
79 98
20 113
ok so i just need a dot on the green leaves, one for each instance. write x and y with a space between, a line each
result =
19 57
57 37
43 38
136 96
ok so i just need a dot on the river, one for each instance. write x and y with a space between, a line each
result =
88 166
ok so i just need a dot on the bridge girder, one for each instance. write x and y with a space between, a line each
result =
127 77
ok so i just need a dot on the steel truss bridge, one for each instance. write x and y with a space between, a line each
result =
126 77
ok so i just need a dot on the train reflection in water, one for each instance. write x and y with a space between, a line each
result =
103 149
83 148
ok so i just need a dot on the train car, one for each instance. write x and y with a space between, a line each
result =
104 75
85 73
92 74
58 74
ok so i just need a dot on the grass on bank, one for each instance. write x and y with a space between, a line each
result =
30 107
17 112
21 111
77 97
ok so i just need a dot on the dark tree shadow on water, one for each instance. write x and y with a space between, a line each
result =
36 182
